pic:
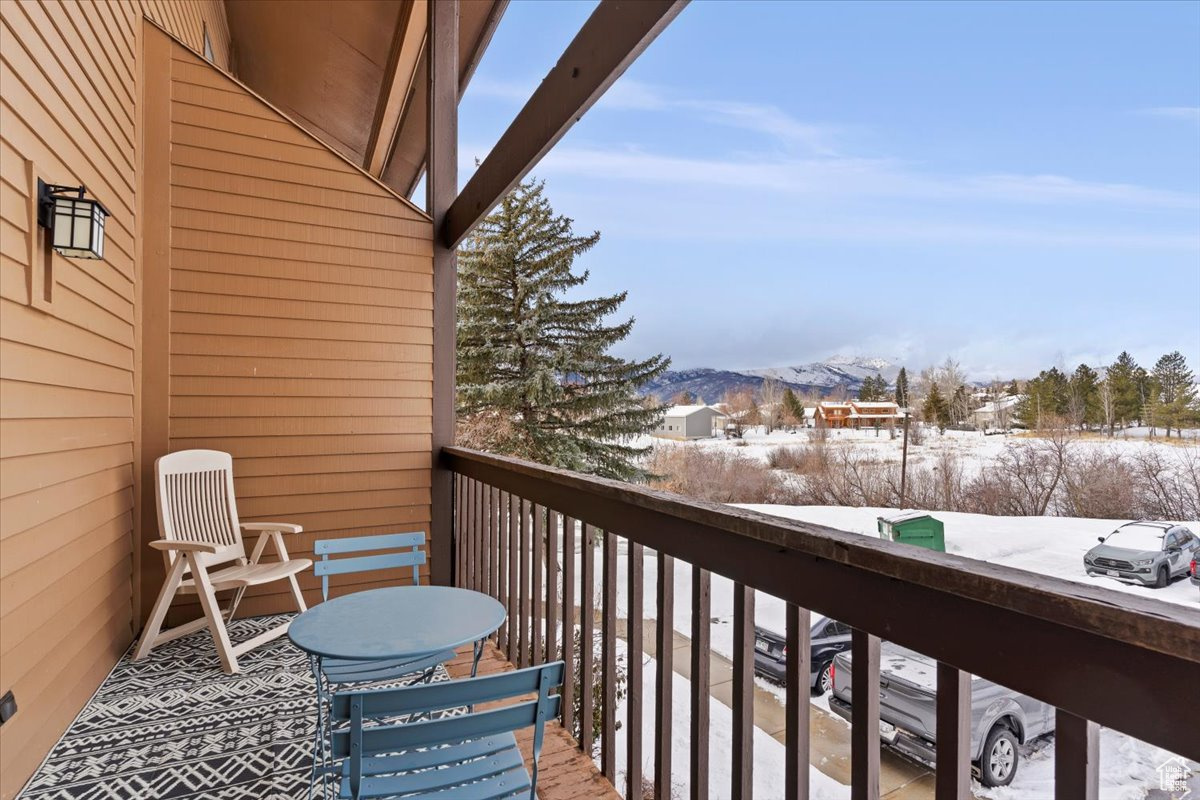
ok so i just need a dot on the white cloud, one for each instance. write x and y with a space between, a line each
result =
1185 113
847 177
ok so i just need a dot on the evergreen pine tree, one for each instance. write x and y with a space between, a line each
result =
936 409
1176 389
535 378
1046 396
1123 376
1013 389
792 405
1084 403
902 388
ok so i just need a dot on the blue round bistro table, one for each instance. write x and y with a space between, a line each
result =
401 632
398 622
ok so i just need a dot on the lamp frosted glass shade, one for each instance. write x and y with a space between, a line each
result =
78 226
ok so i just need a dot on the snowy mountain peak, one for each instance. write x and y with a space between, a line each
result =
839 372
864 362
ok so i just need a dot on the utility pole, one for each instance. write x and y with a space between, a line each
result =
904 458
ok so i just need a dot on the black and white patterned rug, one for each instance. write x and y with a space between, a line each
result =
176 726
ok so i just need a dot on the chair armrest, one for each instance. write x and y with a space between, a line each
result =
282 527
184 547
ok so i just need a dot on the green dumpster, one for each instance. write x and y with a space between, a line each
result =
914 527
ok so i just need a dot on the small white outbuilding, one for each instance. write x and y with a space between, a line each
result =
690 422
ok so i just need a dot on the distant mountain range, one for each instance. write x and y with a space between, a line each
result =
819 378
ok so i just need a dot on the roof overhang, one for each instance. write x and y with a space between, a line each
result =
355 72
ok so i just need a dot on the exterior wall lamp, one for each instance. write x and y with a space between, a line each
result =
76 224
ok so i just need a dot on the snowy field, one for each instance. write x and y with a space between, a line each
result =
1046 545
973 449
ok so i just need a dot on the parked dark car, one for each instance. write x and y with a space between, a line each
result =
829 637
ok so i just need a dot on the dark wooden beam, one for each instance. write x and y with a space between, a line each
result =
443 182
1137 650
614 35
408 41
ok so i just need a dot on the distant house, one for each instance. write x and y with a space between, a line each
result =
690 422
810 416
832 414
857 414
999 414
875 414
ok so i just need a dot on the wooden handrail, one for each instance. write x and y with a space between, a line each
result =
1113 658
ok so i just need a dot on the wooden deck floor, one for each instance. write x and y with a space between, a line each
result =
564 773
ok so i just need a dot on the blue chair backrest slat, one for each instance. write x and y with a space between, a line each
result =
357 742
341 566
447 694
359 544
413 556
447 730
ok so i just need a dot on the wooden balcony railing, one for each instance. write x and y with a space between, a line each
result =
1098 656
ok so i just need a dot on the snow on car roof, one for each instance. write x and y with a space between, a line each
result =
1136 537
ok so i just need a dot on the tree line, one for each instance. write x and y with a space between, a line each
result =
1123 394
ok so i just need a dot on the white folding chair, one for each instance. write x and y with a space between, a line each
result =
202 544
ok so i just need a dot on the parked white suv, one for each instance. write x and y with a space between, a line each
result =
1149 553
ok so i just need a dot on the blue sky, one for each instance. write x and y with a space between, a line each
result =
1016 185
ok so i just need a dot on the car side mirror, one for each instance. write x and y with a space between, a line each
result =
1100 539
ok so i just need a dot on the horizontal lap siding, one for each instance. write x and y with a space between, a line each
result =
68 100
301 325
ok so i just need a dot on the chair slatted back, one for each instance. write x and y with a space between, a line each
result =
413 556
196 503
357 741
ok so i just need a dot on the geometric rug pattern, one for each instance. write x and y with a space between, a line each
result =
175 726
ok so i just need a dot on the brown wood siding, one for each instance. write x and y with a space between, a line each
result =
300 325
68 101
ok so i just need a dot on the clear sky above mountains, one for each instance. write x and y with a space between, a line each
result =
1012 184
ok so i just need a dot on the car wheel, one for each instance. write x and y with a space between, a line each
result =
998 765
1164 577
824 682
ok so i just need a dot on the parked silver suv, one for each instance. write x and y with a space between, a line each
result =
1149 553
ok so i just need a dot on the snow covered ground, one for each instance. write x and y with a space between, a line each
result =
973 449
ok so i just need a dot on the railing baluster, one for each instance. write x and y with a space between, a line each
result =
1076 757
552 518
953 772
514 587
459 526
864 716
664 678
742 778
796 707
502 573
539 629
633 697
701 617
524 643
568 623
608 650
477 537
587 589
469 519
485 540
492 504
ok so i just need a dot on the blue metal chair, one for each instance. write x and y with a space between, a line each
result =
411 555
331 672
471 756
